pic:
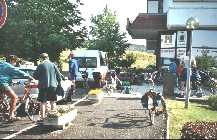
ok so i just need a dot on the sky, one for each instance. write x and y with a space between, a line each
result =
123 8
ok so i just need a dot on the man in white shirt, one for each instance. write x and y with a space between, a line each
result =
185 59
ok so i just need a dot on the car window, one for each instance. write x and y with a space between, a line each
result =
20 77
87 62
29 71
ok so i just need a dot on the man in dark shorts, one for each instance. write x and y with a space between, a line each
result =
7 72
49 77
73 70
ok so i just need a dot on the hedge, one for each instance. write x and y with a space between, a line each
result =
199 130
212 102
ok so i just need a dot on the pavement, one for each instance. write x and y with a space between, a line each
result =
112 118
118 116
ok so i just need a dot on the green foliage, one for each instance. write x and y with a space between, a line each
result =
179 115
36 26
213 72
212 102
63 60
127 61
205 62
2 58
106 36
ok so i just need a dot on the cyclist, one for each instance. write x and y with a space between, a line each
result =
7 71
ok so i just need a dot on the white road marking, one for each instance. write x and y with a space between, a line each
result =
27 128
19 132
79 100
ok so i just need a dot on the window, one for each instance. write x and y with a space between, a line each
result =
102 60
182 38
87 62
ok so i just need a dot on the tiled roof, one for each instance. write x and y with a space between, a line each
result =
147 26
156 21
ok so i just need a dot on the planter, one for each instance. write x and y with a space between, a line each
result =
95 95
61 121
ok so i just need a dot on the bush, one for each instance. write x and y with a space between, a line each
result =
205 62
213 72
212 102
199 130
150 68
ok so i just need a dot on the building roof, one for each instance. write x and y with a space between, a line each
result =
147 25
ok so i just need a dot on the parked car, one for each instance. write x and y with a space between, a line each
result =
19 83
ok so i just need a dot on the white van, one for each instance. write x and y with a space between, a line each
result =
91 61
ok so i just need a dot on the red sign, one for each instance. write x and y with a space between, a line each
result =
3 12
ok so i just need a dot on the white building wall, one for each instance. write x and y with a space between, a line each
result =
179 12
202 41
181 4
176 18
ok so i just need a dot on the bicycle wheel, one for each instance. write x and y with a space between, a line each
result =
32 109
4 109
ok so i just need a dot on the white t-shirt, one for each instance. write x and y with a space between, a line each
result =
185 59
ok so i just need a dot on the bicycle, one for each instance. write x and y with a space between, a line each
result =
29 105
154 103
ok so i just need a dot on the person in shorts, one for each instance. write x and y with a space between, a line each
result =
7 72
73 71
49 77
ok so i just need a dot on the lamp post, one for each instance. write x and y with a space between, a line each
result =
191 24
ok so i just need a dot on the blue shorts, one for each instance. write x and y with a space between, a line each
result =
72 77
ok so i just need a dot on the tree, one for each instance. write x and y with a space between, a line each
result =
127 61
36 26
106 36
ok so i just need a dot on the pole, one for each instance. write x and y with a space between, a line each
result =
188 84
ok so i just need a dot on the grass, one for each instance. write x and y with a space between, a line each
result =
179 115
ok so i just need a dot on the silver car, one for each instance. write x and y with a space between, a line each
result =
18 84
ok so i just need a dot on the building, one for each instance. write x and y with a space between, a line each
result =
164 28
135 47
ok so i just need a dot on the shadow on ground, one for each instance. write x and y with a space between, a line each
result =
39 130
123 120
125 98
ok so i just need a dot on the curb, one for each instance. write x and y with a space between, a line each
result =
166 132
195 100
167 123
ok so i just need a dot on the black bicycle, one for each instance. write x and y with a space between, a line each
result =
26 105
